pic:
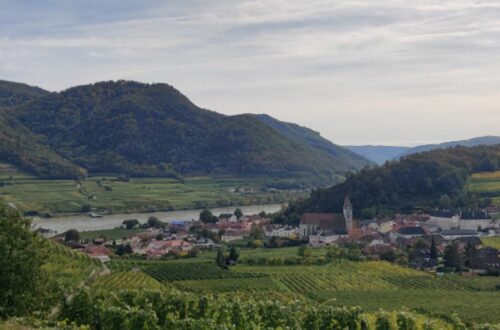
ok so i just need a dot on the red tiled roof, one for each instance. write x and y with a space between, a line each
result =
325 221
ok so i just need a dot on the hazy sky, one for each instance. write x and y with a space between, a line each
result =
376 72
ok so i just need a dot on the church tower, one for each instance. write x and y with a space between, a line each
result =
348 213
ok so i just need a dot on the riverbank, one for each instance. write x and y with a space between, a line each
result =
85 223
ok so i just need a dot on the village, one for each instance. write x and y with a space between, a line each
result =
419 240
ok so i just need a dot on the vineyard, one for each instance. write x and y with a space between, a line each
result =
127 280
194 271
68 266
310 280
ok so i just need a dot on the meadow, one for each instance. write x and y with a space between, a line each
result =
107 193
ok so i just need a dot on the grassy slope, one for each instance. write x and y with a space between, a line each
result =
486 182
139 194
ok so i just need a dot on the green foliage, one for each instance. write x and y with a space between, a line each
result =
452 257
206 216
416 181
169 271
72 235
24 284
238 213
173 310
220 260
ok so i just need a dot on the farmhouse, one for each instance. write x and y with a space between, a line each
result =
331 223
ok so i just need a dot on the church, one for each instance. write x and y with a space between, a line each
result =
325 227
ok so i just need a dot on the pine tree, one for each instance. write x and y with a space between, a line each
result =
434 252
220 260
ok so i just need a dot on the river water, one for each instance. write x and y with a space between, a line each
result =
110 221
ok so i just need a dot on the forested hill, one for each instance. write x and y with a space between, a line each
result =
153 130
417 180
345 159
12 94
482 140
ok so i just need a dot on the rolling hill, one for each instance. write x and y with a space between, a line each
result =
378 154
153 130
415 181
483 140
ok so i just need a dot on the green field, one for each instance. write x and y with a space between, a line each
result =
492 241
106 193
487 183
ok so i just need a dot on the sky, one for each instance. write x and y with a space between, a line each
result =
391 72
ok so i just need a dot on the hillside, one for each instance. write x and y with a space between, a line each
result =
414 181
376 153
345 160
153 130
12 94
483 140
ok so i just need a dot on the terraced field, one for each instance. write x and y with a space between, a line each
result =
487 184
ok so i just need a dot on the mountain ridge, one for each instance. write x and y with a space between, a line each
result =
142 129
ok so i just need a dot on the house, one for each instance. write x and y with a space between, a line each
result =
159 248
484 260
445 219
476 220
204 243
98 251
325 238
281 231
319 223
457 233
229 237
386 226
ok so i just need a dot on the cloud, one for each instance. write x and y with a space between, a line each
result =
325 64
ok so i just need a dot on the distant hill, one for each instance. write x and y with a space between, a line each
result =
153 130
345 160
483 140
418 180
378 154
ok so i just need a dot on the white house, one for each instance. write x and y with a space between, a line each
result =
281 231
444 219
325 238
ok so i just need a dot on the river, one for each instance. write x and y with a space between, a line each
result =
86 223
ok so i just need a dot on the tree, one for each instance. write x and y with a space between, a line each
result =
256 232
220 260
154 222
301 252
444 201
206 216
128 249
388 255
120 250
233 255
434 252
452 257
24 285
131 223
72 235
238 213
